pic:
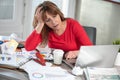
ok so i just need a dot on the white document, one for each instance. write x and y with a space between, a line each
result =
93 73
50 73
16 59
39 72
8 60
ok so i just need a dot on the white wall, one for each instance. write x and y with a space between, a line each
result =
105 16
27 19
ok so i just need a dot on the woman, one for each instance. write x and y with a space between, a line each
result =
53 29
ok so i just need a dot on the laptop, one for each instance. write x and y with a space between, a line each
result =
95 56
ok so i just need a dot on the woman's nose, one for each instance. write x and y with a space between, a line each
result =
53 22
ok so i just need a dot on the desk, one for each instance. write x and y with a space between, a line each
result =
66 67
14 74
10 73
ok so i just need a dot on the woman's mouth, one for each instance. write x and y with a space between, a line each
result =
55 25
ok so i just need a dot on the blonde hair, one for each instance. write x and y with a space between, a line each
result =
50 8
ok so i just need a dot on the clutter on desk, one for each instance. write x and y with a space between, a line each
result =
16 59
46 52
77 71
11 36
8 59
25 60
40 59
20 45
9 56
15 37
9 47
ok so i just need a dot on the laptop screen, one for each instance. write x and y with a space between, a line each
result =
97 56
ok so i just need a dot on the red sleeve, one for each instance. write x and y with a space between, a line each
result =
81 34
32 41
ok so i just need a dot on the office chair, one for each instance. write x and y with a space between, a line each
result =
91 31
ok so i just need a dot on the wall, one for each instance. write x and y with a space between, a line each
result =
105 16
27 19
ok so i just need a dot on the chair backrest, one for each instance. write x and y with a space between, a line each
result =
91 31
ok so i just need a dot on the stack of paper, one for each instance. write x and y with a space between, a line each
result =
39 72
93 73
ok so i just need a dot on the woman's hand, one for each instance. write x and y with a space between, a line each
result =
38 18
71 54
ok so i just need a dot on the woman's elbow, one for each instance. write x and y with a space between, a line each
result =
29 48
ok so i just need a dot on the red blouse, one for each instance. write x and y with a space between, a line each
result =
73 37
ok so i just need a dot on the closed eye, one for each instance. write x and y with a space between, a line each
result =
47 20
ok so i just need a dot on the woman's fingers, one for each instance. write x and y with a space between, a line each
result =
38 15
71 54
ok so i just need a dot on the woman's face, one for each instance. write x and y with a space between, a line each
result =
53 21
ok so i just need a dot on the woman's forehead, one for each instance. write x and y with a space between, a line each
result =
49 14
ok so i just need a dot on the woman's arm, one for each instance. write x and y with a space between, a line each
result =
35 37
32 41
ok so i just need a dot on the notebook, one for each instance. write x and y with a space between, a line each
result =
95 56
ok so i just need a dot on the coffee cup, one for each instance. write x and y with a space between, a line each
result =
58 56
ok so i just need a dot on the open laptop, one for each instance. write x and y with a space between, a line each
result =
95 56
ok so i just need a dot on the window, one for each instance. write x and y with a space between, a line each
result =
11 17
6 9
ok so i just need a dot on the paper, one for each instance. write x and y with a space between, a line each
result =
46 52
8 59
49 73
93 73
39 72
9 47
16 59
